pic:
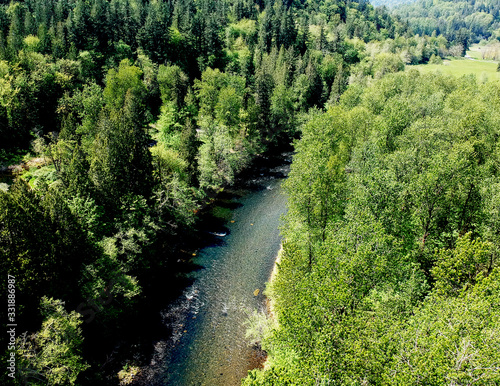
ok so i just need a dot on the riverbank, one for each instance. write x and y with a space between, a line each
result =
269 298
271 320
204 339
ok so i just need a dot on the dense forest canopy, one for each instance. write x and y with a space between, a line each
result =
390 3
129 115
54 48
389 272
134 113
462 22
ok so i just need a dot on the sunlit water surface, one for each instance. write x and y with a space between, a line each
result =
208 344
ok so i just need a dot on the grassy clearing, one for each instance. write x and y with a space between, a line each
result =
483 69
490 51
475 52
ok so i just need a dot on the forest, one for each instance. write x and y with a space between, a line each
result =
389 3
389 272
124 118
462 22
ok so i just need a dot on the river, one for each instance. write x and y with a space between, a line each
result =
208 345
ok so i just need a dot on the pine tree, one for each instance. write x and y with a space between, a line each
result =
16 30
264 85
3 47
266 31
80 23
99 24
287 30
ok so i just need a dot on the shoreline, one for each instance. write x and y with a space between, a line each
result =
269 300
264 167
270 314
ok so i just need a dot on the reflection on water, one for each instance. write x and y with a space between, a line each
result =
208 345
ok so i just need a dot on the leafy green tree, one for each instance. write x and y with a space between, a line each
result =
316 182
119 83
388 273
387 62
53 354
458 269
223 149
173 84
52 251
121 161
449 339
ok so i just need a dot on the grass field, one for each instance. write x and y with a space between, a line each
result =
475 52
489 51
483 69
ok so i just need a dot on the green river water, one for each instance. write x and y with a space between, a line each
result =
208 345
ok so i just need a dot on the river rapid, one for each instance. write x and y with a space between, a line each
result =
208 345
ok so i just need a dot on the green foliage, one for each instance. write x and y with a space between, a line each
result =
258 327
460 22
223 149
169 126
88 213
53 354
385 63
449 340
316 183
173 85
218 159
456 270
127 80
137 109
245 28
435 59
121 161
41 241
389 273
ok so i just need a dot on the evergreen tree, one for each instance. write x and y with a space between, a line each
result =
16 29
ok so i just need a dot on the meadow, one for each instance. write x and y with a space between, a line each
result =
490 51
483 69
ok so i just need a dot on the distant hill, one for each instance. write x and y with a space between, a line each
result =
390 3
459 21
